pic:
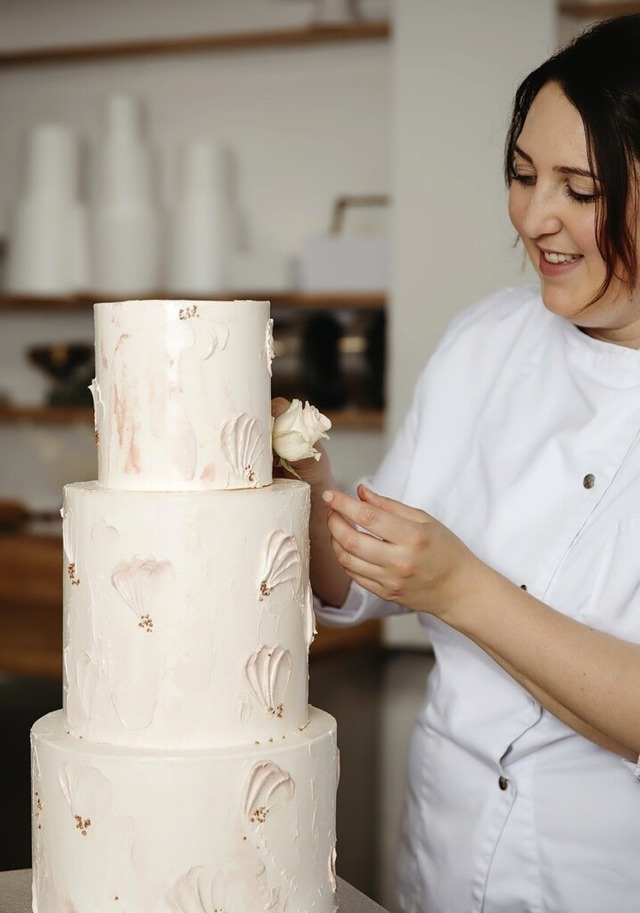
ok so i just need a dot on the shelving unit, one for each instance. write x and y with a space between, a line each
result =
221 43
30 578
198 44
348 419
279 300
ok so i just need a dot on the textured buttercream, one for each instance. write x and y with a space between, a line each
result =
182 394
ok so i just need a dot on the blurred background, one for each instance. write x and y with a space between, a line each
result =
341 158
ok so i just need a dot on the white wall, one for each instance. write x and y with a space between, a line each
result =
456 66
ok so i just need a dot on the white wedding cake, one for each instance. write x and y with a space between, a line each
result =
186 772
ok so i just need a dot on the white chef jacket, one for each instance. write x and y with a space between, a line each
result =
523 438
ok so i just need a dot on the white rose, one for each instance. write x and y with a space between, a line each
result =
297 430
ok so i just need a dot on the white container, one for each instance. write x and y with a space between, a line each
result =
51 164
261 272
124 218
200 222
48 245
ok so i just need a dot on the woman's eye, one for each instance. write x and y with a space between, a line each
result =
582 197
528 180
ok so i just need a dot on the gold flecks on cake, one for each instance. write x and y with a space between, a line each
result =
266 785
96 436
242 445
259 814
282 562
144 584
82 824
188 313
37 809
71 572
267 672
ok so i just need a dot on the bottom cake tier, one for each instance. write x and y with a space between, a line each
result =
225 830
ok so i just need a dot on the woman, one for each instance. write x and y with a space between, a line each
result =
507 514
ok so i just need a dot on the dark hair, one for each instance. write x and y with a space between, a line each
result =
599 72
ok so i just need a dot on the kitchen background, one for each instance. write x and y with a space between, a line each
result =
352 152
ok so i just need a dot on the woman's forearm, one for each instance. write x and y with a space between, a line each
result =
328 579
587 678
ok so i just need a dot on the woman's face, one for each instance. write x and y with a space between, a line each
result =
552 205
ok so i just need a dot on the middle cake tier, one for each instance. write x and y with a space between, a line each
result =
187 615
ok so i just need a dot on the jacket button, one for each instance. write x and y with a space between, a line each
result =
503 783
589 480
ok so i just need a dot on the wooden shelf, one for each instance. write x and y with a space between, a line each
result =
45 415
354 419
598 10
286 301
198 44
357 419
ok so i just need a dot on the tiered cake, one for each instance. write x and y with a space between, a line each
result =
186 771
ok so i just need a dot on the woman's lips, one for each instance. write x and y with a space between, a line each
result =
556 269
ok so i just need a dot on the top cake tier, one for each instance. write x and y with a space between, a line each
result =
182 394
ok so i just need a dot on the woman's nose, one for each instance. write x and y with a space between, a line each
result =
540 214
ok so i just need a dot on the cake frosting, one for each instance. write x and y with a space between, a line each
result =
186 771
241 830
189 627
182 394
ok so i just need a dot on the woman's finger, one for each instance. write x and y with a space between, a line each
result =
396 527
370 549
279 405
397 508
358 551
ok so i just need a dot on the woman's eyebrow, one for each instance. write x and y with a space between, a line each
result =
559 169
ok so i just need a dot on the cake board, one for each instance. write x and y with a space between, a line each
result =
15 895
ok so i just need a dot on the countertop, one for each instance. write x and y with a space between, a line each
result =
15 895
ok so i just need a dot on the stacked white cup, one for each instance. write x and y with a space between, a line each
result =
125 229
47 251
199 222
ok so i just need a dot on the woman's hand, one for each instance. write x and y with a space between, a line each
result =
405 556
585 677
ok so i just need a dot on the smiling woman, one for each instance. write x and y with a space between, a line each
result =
553 200
575 138
507 516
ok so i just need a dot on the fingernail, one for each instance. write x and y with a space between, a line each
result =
327 496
